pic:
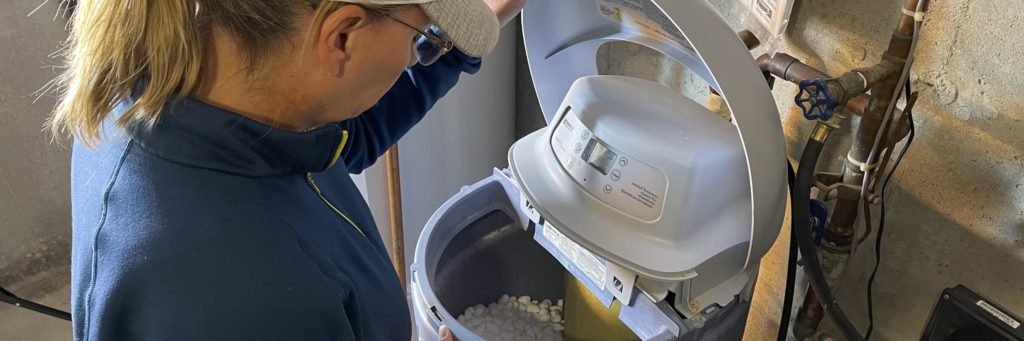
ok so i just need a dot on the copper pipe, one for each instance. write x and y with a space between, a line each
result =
839 234
793 70
906 24
841 224
858 104
789 68
395 213
810 311
895 136
876 73
889 144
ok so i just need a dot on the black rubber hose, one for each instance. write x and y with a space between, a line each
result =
787 297
800 216
8 297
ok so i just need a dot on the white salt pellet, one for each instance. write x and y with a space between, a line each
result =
515 318
560 301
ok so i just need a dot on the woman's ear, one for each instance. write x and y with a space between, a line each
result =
333 46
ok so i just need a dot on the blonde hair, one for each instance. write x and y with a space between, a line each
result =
115 44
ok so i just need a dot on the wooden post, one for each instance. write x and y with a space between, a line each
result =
395 213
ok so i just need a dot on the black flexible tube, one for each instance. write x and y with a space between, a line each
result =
881 226
800 215
8 297
787 297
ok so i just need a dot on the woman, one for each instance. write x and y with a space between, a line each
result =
214 140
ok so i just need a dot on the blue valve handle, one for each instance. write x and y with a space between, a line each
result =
815 99
819 216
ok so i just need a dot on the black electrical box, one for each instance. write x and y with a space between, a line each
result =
962 315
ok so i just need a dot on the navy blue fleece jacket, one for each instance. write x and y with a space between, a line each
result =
211 226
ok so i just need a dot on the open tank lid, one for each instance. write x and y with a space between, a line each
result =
561 40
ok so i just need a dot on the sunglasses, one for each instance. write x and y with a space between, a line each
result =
430 46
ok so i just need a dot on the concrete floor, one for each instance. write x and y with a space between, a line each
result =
51 288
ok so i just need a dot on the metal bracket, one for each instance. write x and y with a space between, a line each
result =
831 184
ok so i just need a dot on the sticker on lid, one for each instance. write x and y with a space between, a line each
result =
592 265
999 314
642 16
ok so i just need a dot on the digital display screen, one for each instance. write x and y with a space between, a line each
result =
599 156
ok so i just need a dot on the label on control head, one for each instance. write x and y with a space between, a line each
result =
592 265
642 16
619 180
999 314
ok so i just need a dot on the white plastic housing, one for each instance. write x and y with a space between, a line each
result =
675 195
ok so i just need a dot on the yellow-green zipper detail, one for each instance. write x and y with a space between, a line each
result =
341 146
312 184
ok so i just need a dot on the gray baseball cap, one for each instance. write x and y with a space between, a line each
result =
469 24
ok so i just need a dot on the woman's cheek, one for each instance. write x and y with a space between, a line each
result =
389 83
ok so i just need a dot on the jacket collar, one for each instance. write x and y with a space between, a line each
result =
198 134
